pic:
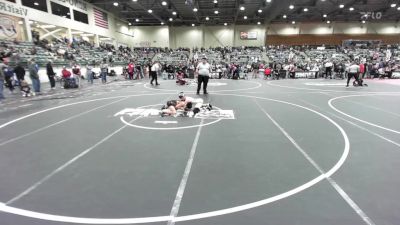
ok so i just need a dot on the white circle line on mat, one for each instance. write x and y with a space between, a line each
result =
69 219
258 85
326 90
330 102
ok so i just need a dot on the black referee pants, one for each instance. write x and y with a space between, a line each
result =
202 79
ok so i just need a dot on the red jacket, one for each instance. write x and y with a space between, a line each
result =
131 68
66 74
267 71
362 68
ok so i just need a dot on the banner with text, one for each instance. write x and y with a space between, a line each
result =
248 35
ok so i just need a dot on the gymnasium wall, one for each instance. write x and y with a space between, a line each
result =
335 33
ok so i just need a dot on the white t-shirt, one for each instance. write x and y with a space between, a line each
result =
354 69
204 69
155 67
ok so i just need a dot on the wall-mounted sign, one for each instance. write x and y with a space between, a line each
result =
248 35
9 28
75 3
13 8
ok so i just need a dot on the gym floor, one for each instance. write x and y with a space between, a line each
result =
304 152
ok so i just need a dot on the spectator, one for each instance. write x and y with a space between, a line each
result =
76 71
34 75
131 70
1 81
104 71
51 74
66 74
8 74
267 72
89 73
20 72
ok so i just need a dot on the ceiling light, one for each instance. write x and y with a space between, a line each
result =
130 24
225 24
260 10
164 3
351 9
328 22
215 1
242 8
20 22
363 21
137 20
134 0
293 22
305 10
341 6
268 1
115 4
193 25
245 17
216 12
207 18
195 9
393 5
324 15
398 8
150 11
284 16
258 23
36 3
162 23
291 6
170 19
173 13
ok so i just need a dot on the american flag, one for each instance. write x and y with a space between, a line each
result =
100 18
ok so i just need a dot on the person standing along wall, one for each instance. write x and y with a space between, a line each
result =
9 74
203 75
89 73
20 72
51 74
1 81
104 71
76 70
34 75
131 70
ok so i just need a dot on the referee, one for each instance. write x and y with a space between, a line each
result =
203 74
353 71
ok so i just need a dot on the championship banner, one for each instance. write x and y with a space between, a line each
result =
9 28
248 35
